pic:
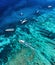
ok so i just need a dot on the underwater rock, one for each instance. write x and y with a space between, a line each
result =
21 14
0 63
52 36
34 19
47 34
4 53
25 29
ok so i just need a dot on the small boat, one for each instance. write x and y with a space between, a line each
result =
24 21
49 6
26 44
9 30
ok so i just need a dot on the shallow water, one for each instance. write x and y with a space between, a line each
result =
31 21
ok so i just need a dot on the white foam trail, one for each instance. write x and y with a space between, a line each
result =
26 44
29 46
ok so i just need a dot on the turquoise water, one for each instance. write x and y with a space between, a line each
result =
27 32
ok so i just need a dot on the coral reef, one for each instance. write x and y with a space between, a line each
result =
38 34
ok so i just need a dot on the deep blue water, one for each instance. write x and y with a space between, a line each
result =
7 7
